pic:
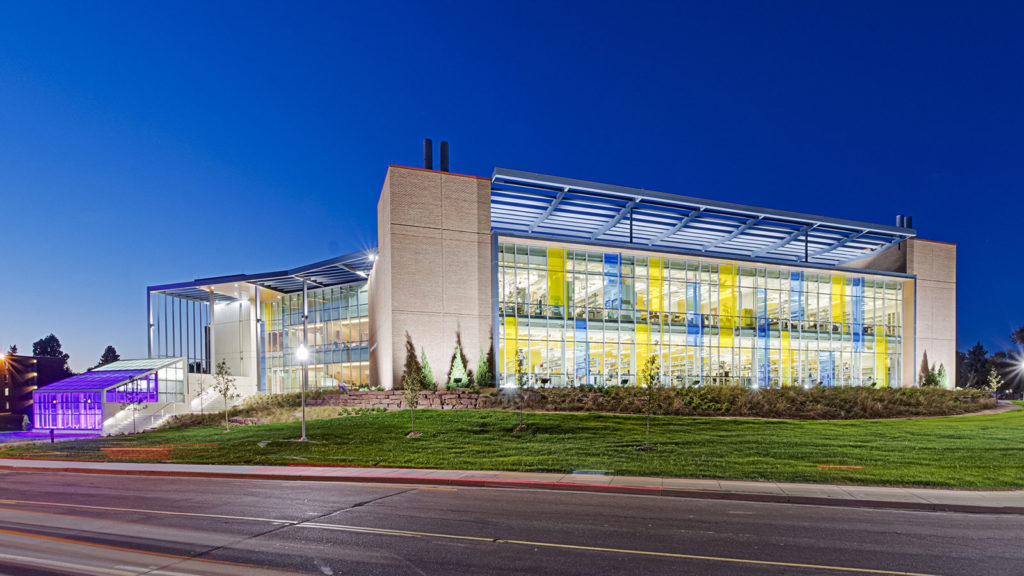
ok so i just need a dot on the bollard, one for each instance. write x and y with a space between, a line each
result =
51 435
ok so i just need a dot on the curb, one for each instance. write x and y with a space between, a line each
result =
536 485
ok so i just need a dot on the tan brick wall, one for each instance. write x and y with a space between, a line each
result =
434 233
934 263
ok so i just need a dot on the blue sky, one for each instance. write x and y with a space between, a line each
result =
145 143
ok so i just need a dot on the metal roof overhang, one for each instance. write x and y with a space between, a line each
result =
525 203
347 269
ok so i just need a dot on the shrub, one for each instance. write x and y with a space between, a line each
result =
817 403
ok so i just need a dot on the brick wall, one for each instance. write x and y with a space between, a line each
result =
393 400
433 272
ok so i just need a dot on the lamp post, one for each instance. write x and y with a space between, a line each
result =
302 355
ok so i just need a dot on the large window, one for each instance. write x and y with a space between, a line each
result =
338 333
579 316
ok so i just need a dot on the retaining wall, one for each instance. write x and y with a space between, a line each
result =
394 400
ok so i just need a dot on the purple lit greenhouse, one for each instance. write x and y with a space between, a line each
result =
93 401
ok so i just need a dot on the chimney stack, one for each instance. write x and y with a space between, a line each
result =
909 222
428 153
444 155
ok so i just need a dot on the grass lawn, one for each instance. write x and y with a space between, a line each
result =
968 451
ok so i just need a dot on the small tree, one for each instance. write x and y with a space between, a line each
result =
943 377
994 381
520 385
13 349
650 377
484 371
930 378
459 374
924 371
412 382
428 373
109 355
201 387
224 386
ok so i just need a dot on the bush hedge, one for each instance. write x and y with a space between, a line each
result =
817 403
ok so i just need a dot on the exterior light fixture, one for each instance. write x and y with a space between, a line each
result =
302 353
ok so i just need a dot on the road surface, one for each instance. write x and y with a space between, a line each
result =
57 523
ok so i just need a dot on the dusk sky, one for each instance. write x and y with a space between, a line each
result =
145 143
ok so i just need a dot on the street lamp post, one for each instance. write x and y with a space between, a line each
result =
303 356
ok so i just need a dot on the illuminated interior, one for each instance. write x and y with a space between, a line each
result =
580 315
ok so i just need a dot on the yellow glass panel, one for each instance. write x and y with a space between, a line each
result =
726 304
838 300
556 276
643 346
786 370
511 345
881 357
656 287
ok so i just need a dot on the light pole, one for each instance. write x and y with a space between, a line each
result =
302 355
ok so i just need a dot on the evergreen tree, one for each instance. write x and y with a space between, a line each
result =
976 367
428 373
13 349
484 372
458 366
924 371
459 375
943 377
109 355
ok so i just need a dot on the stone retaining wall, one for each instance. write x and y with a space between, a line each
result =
394 400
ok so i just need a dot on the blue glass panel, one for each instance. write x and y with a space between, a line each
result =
827 366
796 295
694 325
582 351
764 364
612 282
857 316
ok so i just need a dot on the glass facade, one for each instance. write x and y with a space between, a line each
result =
587 316
180 329
338 338
68 410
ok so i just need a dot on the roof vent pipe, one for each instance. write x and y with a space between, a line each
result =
899 221
444 155
909 221
428 153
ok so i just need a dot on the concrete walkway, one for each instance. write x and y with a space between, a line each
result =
989 502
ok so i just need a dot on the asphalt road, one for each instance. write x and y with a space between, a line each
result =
109 525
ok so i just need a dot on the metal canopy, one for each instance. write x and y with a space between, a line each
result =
525 203
347 269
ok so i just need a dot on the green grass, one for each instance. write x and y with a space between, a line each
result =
971 451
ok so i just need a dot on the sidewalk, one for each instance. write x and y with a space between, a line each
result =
988 502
